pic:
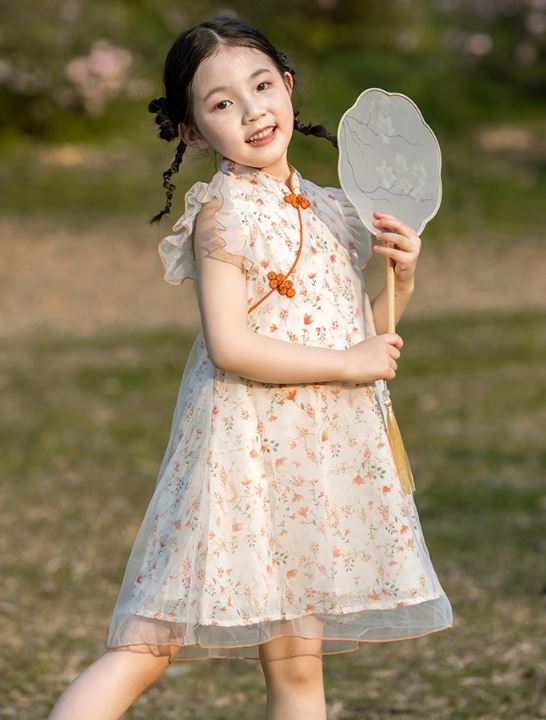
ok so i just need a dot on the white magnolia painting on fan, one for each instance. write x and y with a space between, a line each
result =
389 159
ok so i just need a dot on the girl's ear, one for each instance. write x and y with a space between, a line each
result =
289 82
191 137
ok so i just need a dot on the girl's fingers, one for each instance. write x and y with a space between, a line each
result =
389 221
404 237
400 255
397 239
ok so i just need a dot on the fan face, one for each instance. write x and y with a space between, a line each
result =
389 159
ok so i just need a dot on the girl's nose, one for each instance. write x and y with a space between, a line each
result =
253 113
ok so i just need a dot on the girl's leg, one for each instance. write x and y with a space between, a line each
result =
293 674
110 685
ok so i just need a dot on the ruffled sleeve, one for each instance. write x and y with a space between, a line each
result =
359 234
229 238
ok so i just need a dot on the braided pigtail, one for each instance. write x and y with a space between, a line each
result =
167 131
317 130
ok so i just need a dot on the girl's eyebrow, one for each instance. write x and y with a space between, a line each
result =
223 87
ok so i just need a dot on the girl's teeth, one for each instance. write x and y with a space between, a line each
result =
262 135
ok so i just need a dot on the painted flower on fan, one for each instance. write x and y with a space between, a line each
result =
386 175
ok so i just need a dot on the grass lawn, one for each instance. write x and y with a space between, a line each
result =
84 426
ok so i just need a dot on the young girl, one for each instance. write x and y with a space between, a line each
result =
278 530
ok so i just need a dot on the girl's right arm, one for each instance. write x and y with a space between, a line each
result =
233 347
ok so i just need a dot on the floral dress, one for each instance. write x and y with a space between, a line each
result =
277 509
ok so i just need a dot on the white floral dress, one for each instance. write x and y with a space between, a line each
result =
277 509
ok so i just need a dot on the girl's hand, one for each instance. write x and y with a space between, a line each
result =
373 359
403 245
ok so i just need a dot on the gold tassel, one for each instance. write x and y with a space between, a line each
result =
401 459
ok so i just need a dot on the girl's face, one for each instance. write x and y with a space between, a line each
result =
236 93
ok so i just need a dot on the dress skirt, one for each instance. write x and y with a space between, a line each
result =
277 511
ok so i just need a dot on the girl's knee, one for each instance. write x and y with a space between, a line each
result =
298 671
292 660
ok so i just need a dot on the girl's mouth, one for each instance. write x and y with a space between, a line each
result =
264 140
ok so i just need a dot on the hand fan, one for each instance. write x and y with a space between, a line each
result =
390 161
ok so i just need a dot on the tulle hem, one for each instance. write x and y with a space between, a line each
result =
346 645
340 633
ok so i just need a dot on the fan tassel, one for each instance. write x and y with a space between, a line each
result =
400 455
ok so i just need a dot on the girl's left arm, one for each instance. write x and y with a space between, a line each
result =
403 245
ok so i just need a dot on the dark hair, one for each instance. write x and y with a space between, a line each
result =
188 50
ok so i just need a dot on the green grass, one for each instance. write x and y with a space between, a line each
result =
84 426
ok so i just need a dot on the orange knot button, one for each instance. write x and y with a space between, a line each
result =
278 281
296 200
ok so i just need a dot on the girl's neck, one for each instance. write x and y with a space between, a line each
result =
279 171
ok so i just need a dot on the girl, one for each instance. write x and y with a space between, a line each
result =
277 530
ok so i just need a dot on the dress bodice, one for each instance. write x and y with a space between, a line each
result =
260 226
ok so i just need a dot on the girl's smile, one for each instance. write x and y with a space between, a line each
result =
263 137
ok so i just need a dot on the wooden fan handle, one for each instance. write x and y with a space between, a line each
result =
391 281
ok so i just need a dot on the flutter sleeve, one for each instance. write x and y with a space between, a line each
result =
359 234
228 239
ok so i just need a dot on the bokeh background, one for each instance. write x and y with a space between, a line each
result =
93 342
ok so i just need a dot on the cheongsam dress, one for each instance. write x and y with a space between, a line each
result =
277 509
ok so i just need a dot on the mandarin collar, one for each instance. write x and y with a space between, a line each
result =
230 166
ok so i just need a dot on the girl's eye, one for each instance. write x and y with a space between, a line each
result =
217 106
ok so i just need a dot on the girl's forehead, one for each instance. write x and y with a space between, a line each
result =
228 64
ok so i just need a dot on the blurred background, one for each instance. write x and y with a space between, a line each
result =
93 342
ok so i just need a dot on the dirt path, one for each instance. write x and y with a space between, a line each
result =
98 277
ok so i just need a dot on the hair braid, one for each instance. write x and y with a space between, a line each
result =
175 165
167 130
317 130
